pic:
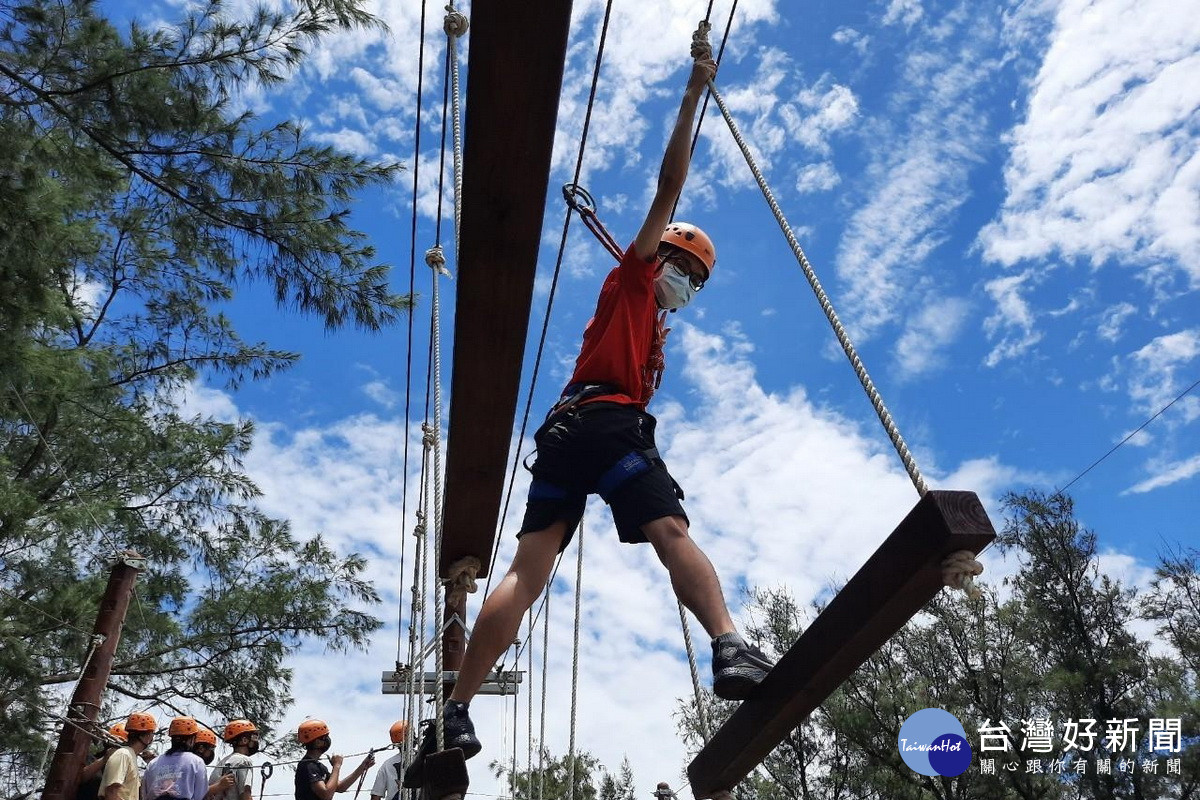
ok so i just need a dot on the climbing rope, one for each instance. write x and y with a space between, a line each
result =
545 670
697 692
860 370
575 666
437 261
958 571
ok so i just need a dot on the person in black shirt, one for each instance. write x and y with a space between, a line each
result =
315 781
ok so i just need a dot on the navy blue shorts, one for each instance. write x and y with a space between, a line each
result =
600 448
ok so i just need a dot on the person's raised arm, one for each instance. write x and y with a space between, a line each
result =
676 160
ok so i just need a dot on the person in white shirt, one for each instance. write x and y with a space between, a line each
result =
242 736
387 780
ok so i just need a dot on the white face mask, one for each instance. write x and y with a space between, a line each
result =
673 290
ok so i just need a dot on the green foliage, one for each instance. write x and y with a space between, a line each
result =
134 200
1060 647
553 779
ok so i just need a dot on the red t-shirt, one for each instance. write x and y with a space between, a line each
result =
622 343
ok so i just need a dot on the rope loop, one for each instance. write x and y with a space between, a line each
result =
456 23
701 48
959 570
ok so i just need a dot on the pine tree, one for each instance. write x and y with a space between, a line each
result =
1060 647
135 199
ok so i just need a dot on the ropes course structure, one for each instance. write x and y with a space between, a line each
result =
500 175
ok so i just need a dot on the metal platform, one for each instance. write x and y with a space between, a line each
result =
506 682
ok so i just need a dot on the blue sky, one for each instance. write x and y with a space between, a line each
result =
1002 200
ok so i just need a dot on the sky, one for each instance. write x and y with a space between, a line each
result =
1003 202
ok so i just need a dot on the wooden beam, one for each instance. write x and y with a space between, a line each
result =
901 577
514 75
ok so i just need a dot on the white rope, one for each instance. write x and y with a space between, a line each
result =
701 710
456 25
957 572
860 370
575 666
545 671
437 261
529 706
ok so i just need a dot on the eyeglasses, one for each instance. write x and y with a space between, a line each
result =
677 263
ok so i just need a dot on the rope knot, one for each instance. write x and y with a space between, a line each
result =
456 22
701 49
435 257
461 580
958 571
427 438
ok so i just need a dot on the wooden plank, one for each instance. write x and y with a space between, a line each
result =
514 76
445 775
897 581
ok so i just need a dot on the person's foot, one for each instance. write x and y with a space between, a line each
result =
459 732
737 666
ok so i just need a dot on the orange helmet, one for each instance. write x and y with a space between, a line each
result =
695 241
183 726
399 731
236 728
206 736
140 722
312 729
118 731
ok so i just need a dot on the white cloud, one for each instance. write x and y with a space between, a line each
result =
1166 475
919 350
859 42
919 170
1105 166
817 178
381 393
905 12
1155 369
348 140
1114 317
1012 321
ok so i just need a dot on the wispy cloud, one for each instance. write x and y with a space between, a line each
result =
1104 166
929 139
1166 475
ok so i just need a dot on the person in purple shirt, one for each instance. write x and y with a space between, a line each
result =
177 774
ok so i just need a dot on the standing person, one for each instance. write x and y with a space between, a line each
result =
313 780
387 780
237 768
205 745
599 439
121 780
177 774
89 778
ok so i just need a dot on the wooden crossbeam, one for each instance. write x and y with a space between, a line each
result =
514 77
897 581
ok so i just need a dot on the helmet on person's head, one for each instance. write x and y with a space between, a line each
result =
183 726
399 731
236 728
140 722
695 241
118 731
311 729
663 790
206 736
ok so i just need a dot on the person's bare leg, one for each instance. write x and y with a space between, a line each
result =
692 575
500 617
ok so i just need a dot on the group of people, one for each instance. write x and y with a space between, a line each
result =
182 772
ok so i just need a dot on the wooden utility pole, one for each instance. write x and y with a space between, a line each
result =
69 756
